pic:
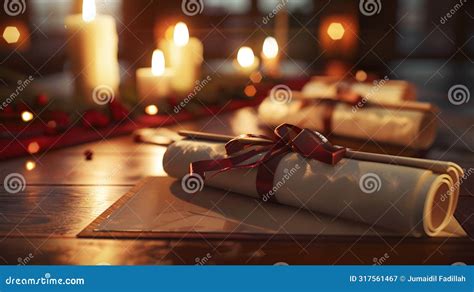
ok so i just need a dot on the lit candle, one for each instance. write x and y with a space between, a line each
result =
246 61
154 83
270 57
186 55
93 49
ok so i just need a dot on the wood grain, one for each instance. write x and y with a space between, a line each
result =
65 192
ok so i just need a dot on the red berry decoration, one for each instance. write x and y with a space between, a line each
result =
42 99
88 154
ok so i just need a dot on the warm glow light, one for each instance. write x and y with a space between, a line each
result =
33 147
30 165
245 57
250 90
26 116
11 34
361 75
88 10
256 77
151 110
270 47
336 31
158 63
181 34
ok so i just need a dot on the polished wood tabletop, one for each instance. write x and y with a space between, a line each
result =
65 192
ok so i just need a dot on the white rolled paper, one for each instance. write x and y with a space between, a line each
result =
412 196
384 90
403 127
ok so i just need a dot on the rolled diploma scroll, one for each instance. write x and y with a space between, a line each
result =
410 128
390 91
416 198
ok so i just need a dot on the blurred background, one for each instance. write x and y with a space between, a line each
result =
429 43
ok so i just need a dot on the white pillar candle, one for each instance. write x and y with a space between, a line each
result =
154 83
185 55
270 57
246 62
93 48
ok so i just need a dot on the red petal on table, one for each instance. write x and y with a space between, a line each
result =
95 119
118 111
61 118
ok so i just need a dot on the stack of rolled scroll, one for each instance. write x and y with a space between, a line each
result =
410 196
386 112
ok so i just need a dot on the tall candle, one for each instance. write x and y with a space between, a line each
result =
154 83
93 49
270 57
186 55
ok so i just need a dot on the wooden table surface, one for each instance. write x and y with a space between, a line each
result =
65 192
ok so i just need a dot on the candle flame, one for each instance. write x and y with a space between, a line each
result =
26 116
158 63
151 110
270 47
181 34
245 57
88 10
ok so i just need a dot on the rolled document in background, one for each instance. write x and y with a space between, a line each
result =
385 90
412 196
407 127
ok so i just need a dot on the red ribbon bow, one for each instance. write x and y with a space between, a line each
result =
287 138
